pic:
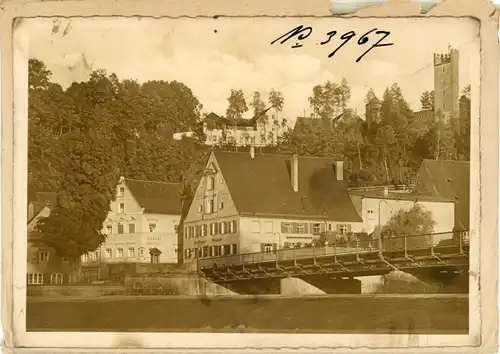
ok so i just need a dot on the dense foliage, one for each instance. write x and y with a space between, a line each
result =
81 139
391 145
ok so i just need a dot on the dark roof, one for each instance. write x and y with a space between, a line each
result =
214 121
425 115
40 201
448 179
261 186
401 196
157 197
309 124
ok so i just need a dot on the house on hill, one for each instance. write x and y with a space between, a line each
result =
248 202
448 179
44 267
141 227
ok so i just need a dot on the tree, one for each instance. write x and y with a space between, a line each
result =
237 105
330 99
427 100
416 224
370 95
277 101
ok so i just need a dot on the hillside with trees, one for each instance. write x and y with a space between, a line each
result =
83 138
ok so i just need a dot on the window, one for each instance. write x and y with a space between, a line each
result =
343 229
176 229
200 208
35 278
152 226
131 252
268 248
227 250
141 252
121 192
56 278
234 249
131 228
221 205
329 227
109 230
191 231
286 228
210 206
120 228
92 256
222 228
203 230
210 183
121 208
268 227
109 253
316 229
301 229
43 256
85 258
119 252
186 232
213 230
256 226
232 227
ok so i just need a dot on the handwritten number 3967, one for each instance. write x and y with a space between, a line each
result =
300 33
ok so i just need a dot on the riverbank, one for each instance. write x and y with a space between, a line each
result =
418 314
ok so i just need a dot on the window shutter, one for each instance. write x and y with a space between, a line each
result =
306 231
216 227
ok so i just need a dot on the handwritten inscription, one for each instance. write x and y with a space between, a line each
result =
372 39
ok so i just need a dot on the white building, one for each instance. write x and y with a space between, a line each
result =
144 217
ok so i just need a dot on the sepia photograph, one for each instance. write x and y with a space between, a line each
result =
251 175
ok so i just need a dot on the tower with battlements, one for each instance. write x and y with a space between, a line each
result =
446 86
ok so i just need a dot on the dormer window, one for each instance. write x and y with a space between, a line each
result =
121 191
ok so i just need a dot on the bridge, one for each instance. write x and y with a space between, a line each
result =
439 257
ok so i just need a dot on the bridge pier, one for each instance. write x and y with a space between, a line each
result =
331 285
448 280
270 286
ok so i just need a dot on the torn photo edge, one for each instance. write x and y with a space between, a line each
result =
483 297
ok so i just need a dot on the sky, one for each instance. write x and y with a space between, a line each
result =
212 56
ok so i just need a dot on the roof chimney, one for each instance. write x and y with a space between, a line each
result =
294 172
339 169
252 152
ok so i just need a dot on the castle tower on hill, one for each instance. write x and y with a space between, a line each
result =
446 86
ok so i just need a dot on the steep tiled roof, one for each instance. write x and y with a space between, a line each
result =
261 186
156 197
425 115
448 179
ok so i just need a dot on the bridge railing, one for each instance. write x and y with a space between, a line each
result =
381 245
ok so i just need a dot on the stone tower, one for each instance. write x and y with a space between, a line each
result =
446 89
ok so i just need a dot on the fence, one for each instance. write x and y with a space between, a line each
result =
381 245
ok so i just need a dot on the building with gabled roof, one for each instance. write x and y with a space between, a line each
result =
44 267
145 217
248 202
448 179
